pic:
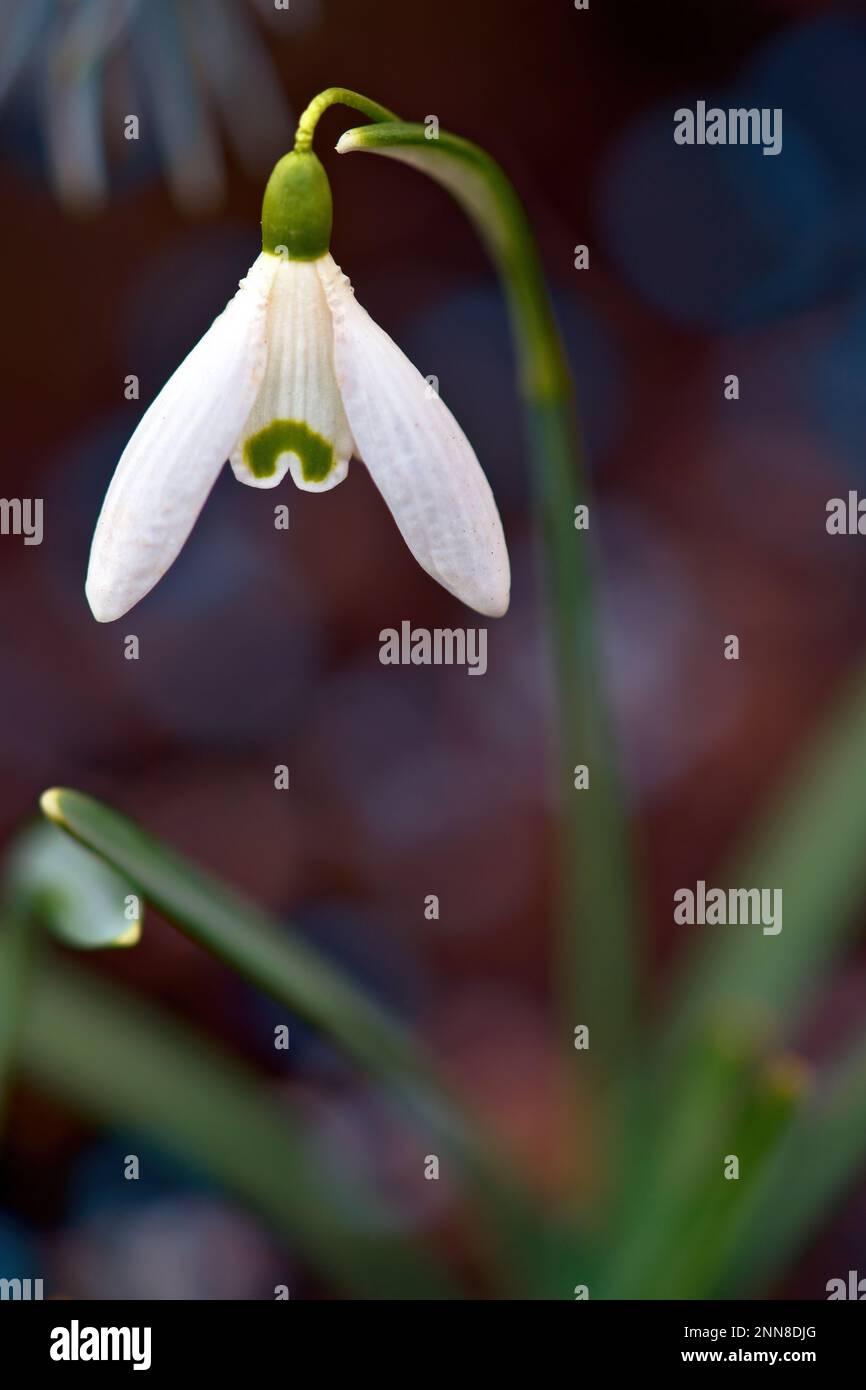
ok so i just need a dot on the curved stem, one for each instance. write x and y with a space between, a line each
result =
598 966
336 96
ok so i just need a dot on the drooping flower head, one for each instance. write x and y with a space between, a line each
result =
294 376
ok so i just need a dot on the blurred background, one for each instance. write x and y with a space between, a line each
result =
261 646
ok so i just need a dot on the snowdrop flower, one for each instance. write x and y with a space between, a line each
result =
294 376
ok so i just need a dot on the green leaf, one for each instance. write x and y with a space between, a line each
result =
675 1234
700 1244
674 1138
282 965
748 984
17 949
818 1163
124 1063
809 845
742 984
76 895
272 957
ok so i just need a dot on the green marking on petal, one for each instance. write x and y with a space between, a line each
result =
262 450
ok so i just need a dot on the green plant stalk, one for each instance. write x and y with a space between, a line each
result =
818 1162
694 1253
809 844
597 969
273 959
283 966
666 1162
123 1063
18 945
336 96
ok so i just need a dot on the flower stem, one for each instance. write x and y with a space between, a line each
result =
598 966
335 96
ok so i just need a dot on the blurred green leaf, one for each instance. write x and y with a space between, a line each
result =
740 984
17 947
810 845
72 892
126 1064
812 1170
273 957
700 1244
282 965
678 1135
676 1233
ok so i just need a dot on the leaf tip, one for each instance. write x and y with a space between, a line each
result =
131 937
49 805
349 141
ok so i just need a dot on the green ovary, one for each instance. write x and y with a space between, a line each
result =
262 450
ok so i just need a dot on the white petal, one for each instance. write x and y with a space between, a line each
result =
418 456
174 457
297 423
